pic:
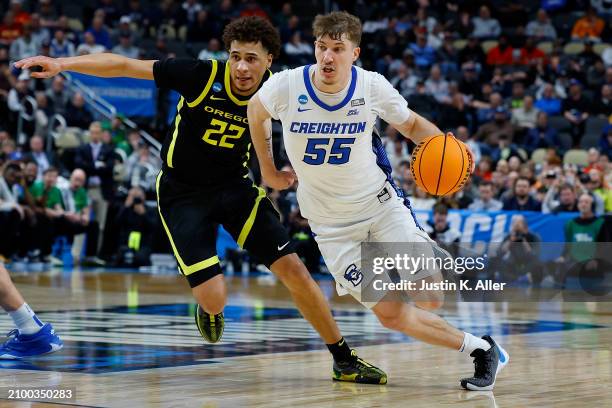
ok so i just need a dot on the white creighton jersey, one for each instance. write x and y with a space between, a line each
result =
341 166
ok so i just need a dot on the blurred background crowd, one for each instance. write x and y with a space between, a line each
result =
527 84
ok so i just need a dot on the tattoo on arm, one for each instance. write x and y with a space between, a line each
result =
269 140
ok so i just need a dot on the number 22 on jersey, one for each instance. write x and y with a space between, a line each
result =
234 132
339 153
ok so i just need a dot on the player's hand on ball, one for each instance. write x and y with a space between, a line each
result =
441 164
469 150
50 66
280 180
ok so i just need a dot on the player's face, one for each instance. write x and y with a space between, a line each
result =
334 59
248 64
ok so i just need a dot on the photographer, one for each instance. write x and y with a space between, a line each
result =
519 253
136 228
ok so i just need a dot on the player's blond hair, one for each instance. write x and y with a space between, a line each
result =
337 23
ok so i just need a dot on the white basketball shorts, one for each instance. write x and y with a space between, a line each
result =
340 244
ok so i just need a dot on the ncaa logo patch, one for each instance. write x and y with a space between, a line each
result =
303 99
217 87
353 275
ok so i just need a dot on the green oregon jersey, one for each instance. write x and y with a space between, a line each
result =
208 142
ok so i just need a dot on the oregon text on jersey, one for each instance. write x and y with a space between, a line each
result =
208 142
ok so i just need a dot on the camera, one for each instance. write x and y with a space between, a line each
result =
138 201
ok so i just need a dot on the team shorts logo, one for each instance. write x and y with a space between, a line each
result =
303 99
217 87
353 275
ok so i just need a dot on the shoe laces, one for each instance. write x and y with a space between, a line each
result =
358 361
13 333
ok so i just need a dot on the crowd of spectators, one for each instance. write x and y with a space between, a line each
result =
527 85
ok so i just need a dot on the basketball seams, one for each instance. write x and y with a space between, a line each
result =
441 164
467 173
418 155
414 158
461 175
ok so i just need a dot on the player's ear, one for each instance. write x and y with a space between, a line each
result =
356 52
269 62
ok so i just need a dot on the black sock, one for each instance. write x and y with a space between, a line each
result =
340 350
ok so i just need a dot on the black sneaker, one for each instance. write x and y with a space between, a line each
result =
358 371
210 326
488 364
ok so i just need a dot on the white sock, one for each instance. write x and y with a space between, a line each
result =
471 343
25 319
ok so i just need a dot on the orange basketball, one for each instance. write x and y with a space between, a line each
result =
441 165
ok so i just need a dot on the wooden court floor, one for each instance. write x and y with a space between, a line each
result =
130 341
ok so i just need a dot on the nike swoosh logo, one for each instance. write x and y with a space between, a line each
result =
280 248
303 110
214 98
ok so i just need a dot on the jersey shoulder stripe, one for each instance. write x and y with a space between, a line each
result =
209 83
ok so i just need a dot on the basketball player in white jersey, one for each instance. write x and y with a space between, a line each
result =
346 191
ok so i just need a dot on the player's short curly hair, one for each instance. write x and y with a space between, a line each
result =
253 29
337 23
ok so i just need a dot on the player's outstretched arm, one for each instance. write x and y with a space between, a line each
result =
102 65
260 127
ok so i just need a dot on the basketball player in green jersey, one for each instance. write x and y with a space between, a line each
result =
204 180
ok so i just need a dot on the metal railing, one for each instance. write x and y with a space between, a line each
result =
107 110
53 132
